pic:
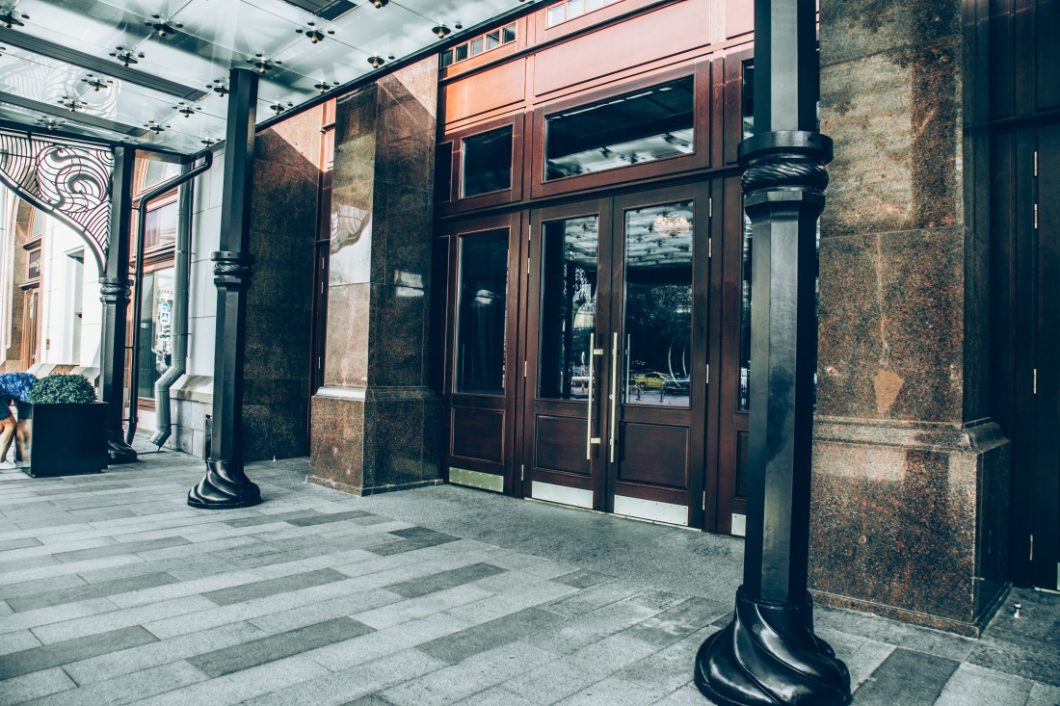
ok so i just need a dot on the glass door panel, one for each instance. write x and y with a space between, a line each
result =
569 273
563 391
657 316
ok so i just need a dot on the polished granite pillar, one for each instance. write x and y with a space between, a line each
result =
375 422
911 477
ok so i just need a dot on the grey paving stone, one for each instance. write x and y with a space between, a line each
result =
265 518
444 580
908 678
583 578
370 700
592 598
318 612
241 686
413 608
85 591
19 543
135 659
977 686
375 645
30 562
452 684
129 687
30 588
323 519
411 539
583 630
666 670
674 623
269 587
1044 695
269 649
31 686
687 695
611 692
493 697
59 653
1040 664
487 636
17 641
119 549
41 617
354 684
115 619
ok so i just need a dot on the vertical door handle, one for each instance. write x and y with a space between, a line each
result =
589 438
614 396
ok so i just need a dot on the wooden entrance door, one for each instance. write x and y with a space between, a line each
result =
1044 456
615 386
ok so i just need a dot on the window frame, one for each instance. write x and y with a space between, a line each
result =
700 157
458 203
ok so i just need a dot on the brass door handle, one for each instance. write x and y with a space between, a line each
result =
614 396
589 438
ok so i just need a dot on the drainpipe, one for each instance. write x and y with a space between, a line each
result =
134 371
181 277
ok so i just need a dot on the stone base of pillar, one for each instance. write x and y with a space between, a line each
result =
375 440
769 654
910 520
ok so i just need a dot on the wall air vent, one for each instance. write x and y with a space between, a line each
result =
327 9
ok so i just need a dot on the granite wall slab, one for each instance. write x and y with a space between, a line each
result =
910 489
375 420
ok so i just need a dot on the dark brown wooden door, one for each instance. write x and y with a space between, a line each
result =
615 391
1045 452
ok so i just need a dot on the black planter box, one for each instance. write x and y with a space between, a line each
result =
66 439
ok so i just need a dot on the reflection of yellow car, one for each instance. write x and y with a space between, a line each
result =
650 381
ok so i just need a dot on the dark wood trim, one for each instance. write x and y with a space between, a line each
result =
699 159
457 203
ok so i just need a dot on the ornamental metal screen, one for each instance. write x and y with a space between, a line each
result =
68 180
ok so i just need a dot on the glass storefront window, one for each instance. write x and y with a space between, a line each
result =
482 312
487 162
658 306
156 327
160 227
570 250
637 127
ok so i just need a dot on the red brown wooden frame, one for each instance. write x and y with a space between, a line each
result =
458 204
698 411
702 138
503 403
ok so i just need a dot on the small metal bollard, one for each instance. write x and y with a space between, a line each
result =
1018 607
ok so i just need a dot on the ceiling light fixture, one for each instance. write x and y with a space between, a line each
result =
219 87
50 123
10 20
324 86
127 56
155 127
263 65
163 28
312 33
441 31
380 3
186 109
278 107
97 83
73 104
376 61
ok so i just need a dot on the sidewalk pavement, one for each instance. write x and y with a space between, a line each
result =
113 591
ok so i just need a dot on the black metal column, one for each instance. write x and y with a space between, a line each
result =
225 485
114 292
769 654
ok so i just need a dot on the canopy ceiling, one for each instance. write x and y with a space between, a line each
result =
154 72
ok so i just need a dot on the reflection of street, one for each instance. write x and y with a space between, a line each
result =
658 398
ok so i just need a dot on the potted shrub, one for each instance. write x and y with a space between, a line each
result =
68 428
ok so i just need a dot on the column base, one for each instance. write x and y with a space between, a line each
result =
120 452
910 520
224 487
769 655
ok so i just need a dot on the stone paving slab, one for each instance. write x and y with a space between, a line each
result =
113 591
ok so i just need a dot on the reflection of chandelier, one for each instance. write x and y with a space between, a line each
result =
670 225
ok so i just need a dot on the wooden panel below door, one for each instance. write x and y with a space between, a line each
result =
478 434
561 445
655 454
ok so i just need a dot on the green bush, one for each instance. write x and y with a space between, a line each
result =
62 389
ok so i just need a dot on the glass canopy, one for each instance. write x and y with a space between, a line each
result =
155 72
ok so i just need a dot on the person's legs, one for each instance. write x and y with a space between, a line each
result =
7 432
22 430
